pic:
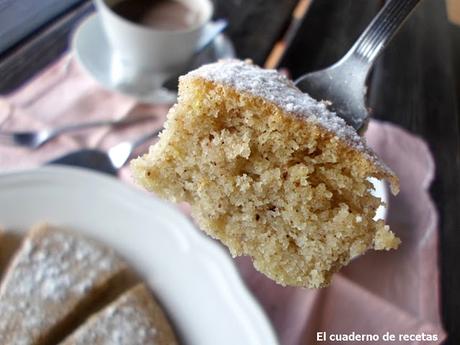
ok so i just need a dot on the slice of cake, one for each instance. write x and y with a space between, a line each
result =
270 172
54 275
134 318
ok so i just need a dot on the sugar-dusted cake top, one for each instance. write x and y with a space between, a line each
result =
52 271
276 88
133 319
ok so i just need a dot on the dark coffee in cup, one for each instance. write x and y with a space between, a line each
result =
146 39
170 15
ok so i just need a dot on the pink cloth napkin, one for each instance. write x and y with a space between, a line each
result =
395 292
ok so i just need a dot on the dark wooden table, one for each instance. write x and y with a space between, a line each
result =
412 84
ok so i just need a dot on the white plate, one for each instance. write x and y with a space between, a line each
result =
193 277
94 54
380 191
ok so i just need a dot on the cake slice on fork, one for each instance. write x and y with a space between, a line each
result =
270 172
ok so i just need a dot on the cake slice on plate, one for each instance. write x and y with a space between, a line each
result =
134 318
270 172
54 275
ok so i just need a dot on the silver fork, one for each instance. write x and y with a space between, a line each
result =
35 139
343 84
109 162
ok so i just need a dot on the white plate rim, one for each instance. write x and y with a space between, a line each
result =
261 330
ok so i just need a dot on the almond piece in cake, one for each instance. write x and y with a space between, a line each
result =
134 318
54 274
270 172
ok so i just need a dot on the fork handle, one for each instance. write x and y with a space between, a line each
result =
120 153
381 30
99 123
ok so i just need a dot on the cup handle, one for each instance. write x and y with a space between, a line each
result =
210 32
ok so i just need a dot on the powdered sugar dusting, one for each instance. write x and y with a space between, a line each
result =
51 272
131 320
276 88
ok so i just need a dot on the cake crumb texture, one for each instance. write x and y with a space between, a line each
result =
270 172
134 318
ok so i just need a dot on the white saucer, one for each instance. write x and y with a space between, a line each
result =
92 50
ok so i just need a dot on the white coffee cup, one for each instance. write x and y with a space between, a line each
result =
145 48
